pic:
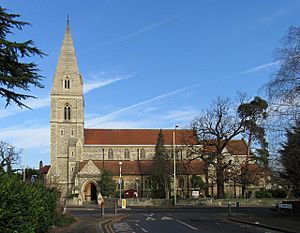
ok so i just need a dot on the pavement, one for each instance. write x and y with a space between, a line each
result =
266 218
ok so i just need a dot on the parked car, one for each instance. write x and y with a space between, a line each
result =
130 193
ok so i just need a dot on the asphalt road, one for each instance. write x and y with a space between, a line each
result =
179 220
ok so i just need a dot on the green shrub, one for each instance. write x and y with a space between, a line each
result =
25 207
263 194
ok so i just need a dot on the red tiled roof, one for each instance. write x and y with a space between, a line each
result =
44 169
149 137
135 136
143 167
237 147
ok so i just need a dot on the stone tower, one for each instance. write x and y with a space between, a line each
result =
67 117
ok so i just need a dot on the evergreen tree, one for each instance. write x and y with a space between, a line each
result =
254 113
107 184
161 169
15 74
290 158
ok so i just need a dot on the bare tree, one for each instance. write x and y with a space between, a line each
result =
8 157
284 89
214 129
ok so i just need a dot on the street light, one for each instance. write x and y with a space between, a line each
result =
174 160
120 182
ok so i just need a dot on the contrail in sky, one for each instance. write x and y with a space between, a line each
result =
252 70
153 26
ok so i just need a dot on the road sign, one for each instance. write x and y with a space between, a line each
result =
195 194
33 178
285 206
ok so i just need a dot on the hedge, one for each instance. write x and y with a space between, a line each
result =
26 207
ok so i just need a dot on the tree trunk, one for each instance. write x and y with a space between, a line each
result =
243 190
234 186
220 183
188 186
206 180
167 193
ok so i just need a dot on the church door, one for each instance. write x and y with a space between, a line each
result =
93 193
90 193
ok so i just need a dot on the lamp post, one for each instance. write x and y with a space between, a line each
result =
120 182
137 188
174 163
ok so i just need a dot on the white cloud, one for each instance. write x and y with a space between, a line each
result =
27 137
32 103
97 81
182 115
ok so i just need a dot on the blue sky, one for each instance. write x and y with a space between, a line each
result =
146 64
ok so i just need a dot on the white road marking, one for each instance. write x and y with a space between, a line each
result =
187 225
144 230
166 218
150 215
122 227
150 219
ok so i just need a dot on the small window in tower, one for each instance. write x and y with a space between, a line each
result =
126 154
143 154
67 112
110 154
72 132
67 83
61 132
72 153
72 169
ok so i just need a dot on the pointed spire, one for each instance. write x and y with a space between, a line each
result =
68 20
67 62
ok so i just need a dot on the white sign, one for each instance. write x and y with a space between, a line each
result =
285 206
195 194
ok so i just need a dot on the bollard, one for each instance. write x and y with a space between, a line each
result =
115 206
237 206
102 209
229 208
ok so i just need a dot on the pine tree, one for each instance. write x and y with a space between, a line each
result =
290 158
161 169
16 75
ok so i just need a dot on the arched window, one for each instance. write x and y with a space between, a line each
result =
110 154
67 83
126 154
67 112
143 154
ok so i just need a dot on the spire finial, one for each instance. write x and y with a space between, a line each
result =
68 20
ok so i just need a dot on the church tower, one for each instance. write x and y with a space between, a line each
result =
67 116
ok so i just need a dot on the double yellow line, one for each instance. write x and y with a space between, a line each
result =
108 226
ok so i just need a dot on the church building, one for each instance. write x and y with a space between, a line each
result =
79 155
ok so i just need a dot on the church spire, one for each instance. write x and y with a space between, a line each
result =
67 62
68 20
